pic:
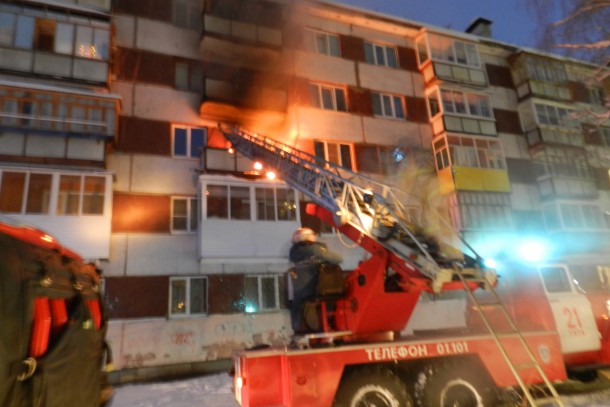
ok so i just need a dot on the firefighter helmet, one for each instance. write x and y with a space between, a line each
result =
303 235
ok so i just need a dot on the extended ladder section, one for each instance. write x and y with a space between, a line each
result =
373 208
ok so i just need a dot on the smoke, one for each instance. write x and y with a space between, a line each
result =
417 177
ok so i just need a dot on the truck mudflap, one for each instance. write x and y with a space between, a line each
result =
311 377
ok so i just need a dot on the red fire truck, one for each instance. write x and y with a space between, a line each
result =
523 329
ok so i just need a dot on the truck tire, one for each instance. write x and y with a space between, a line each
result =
377 387
459 387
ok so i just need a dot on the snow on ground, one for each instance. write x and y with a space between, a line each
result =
205 391
215 391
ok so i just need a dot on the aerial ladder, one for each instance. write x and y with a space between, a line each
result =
374 216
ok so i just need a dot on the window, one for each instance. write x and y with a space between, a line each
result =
59 36
185 214
457 52
434 105
388 105
377 159
273 204
441 154
270 203
574 216
188 296
468 152
187 14
545 71
555 116
24 32
262 293
7 22
555 279
68 201
228 202
81 195
604 133
39 193
596 96
32 193
457 102
322 43
188 141
422 51
11 191
336 153
327 97
188 76
380 55
556 161
92 42
481 210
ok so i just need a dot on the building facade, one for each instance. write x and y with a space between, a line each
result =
193 238
57 118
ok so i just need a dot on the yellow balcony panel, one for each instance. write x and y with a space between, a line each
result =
481 179
473 179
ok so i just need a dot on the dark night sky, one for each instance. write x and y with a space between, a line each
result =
511 21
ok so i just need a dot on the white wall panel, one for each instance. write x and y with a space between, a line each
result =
325 68
162 103
525 197
152 254
45 146
329 125
166 38
393 132
163 175
86 149
378 78
242 239
124 28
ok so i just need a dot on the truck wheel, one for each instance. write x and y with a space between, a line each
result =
452 387
372 387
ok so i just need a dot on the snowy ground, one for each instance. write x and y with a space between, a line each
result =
204 391
215 391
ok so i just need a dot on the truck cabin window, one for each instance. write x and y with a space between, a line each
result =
555 279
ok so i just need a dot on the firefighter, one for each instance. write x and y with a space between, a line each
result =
307 255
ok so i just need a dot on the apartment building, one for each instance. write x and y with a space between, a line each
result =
193 238
57 118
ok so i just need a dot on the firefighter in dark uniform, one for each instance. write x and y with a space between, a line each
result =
307 254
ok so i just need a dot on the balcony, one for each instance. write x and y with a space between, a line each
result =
59 111
545 90
454 73
563 172
555 135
